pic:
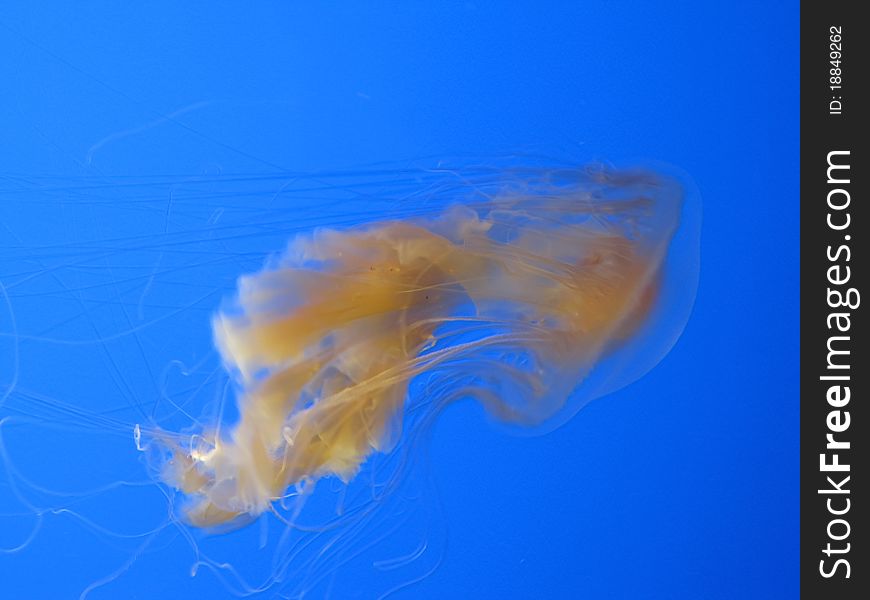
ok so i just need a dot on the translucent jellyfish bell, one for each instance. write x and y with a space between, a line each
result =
666 306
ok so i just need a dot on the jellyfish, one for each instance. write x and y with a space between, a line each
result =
530 290
515 296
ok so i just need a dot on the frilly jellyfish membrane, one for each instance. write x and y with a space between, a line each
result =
279 346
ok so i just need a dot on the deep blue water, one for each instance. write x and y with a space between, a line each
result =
113 255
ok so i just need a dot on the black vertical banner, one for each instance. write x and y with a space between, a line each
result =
835 367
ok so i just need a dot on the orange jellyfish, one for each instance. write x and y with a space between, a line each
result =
539 291
529 289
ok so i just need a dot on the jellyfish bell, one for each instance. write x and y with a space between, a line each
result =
652 328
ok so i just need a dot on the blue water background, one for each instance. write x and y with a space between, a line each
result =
683 485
